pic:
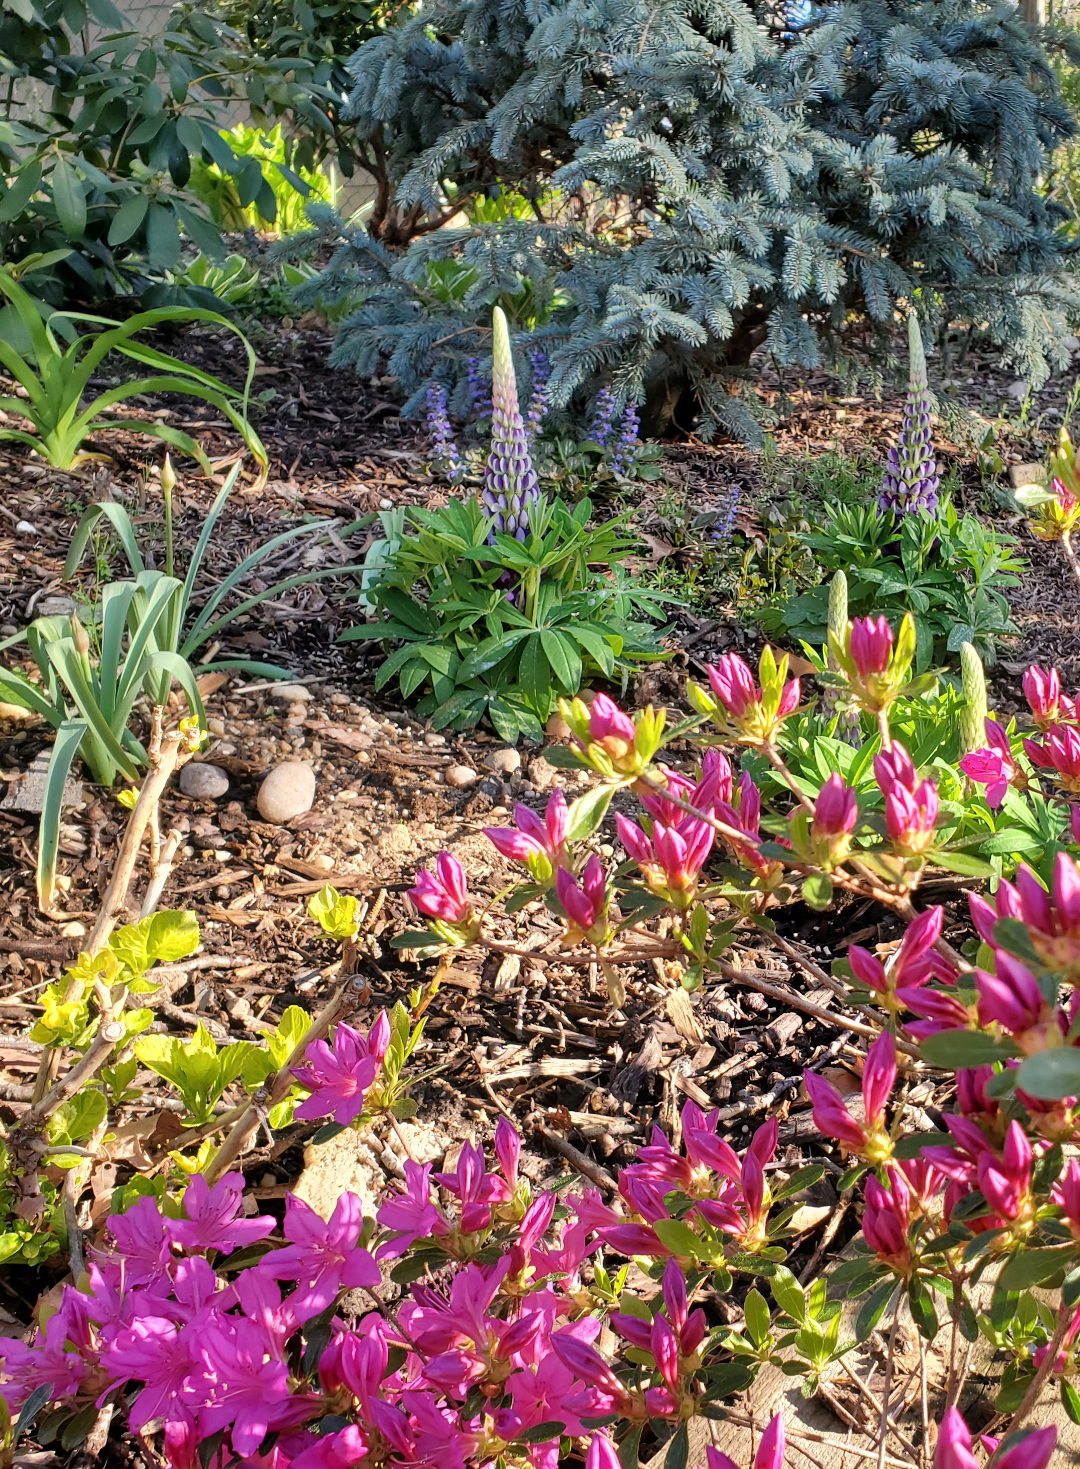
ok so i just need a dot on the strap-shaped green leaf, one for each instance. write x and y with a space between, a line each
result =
120 521
65 747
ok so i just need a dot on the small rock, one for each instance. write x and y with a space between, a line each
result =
386 504
74 930
24 528
27 791
15 711
1026 474
290 693
203 782
505 762
287 791
557 728
493 787
1018 390
324 862
434 740
460 777
8 629
1070 344
542 774
55 607
215 727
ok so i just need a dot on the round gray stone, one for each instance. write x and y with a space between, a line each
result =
203 782
287 791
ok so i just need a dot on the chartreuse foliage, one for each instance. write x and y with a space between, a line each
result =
842 167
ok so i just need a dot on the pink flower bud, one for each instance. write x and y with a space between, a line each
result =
443 894
733 684
602 1453
1043 693
770 1454
954 1444
879 1074
871 645
508 1150
607 723
836 809
584 906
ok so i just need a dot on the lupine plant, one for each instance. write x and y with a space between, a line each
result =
242 1342
911 480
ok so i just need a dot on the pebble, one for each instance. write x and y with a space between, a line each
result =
8 629
289 693
434 740
542 774
287 791
1018 390
460 777
215 726
24 528
55 607
203 782
493 787
386 504
504 761
557 728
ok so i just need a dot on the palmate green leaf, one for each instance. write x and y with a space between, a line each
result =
69 737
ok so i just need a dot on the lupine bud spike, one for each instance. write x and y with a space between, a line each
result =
911 479
838 606
973 715
509 478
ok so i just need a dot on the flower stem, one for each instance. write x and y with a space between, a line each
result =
1070 554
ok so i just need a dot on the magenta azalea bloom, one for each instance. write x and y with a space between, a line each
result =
992 766
831 1116
673 858
609 726
323 1256
444 893
212 1222
911 805
770 1451
836 810
410 1213
338 1076
1042 690
886 1220
533 836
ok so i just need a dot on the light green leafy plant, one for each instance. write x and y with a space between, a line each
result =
56 378
237 200
280 1045
196 1068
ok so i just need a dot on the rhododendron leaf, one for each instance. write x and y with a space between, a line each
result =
955 1050
1032 1267
30 1409
587 812
817 891
164 938
77 1118
335 913
757 1316
873 1308
680 1239
788 1293
1070 1400
327 1131
678 1450
1012 936
629 1448
541 1432
564 758
912 1145
963 863
922 1309
1051 1075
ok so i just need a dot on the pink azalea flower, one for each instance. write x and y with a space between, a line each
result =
672 860
410 1213
770 1451
1052 919
474 1188
886 1219
211 1221
250 1391
338 1075
911 805
585 905
324 1257
533 837
992 766
154 1352
871 645
869 1138
1042 690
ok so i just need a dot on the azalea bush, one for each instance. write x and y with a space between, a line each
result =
245 1340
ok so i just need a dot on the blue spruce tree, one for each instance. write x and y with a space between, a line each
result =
653 188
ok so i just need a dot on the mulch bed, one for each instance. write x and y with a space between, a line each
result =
530 1033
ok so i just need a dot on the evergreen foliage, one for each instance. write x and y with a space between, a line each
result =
652 188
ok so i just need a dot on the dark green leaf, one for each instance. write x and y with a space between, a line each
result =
953 1050
873 1308
1051 1075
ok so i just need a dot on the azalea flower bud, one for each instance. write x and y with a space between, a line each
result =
875 671
1060 753
886 1219
585 906
614 744
911 805
443 895
672 860
537 842
738 707
868 1139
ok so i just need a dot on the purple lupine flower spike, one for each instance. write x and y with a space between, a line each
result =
911 479
623 458
603 417
444 452
479 388
538 402
510 487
